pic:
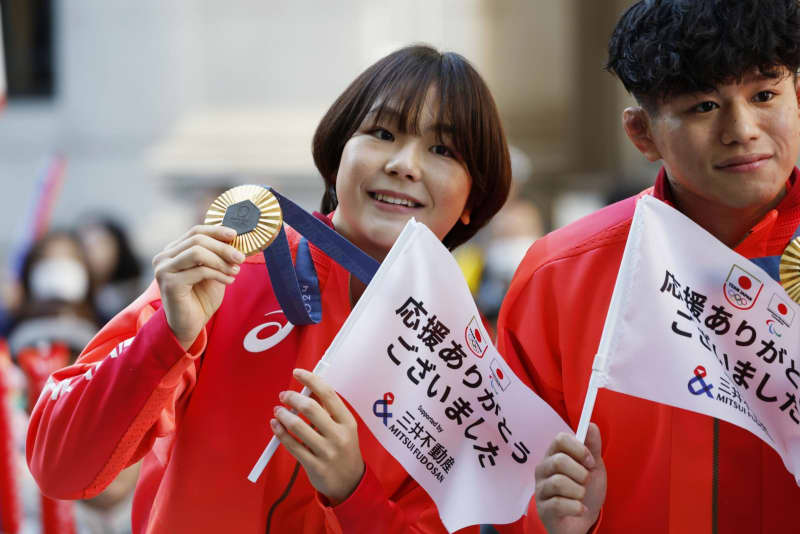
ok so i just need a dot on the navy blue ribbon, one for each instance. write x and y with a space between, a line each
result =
297 286
772 264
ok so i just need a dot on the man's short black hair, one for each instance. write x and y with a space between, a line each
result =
664 48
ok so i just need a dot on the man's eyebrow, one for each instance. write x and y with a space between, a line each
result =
394 114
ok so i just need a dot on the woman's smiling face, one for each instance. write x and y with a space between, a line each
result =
388 175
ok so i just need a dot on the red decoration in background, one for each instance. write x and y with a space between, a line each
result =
10 508
38 364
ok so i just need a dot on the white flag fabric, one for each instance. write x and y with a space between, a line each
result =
416 362
695 325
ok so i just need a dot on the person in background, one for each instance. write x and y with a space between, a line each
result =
57 302
488 262
717 90
115 270
56 319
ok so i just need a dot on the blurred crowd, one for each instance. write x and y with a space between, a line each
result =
67 284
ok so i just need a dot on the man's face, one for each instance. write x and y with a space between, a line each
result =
732 148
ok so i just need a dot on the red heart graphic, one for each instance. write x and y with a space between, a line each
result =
478 335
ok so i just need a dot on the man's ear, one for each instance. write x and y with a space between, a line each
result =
637 125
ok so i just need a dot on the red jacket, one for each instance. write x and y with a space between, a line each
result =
199 420
669 470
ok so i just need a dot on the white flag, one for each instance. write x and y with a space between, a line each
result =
695 325
416 363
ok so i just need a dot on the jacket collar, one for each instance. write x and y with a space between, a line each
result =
770 235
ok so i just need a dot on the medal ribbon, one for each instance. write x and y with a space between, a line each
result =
297 286
772 264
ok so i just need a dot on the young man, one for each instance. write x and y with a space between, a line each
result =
717 90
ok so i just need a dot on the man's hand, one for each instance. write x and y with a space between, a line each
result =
192 273
328 447
571 483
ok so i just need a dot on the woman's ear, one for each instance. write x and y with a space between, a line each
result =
465 216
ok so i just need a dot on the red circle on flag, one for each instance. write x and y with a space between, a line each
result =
782 309
745 282
477 335
499 373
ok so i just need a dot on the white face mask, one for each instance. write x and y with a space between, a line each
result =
59 278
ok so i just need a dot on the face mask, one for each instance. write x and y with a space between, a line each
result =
59 278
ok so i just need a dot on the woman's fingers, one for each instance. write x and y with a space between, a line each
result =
296 448
326 394
198 250
221 233
309 435
190 277
327 447
197 255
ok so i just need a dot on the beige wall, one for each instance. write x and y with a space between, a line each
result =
156 97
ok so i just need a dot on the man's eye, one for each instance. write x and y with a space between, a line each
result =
383 134
442 150
764 96
705 107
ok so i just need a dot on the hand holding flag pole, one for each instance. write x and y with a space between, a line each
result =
274 443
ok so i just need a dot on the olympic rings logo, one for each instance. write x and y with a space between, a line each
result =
741 300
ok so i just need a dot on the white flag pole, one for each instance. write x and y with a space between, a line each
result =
599 377
588 405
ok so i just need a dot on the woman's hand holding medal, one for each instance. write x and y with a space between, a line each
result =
192 273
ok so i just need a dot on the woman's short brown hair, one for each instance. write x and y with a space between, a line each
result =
404 78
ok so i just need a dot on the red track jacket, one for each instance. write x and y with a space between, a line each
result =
199 420
669 470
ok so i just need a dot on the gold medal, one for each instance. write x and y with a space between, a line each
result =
251 210
790 269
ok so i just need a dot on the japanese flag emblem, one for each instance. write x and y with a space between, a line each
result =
500 374
476 340
781 310
742 288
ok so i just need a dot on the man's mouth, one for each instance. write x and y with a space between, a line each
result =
747 162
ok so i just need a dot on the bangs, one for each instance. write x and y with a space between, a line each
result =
400 95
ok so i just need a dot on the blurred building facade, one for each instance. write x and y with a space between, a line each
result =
153 102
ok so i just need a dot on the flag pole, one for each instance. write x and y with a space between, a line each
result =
588 405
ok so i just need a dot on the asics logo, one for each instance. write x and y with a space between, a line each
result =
277 333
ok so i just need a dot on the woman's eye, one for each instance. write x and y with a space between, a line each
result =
442 150
705 107
764 96
383 134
